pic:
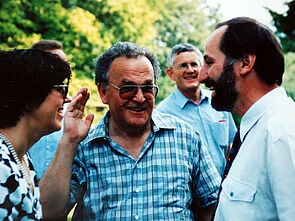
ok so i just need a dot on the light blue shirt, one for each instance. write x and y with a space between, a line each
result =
261 182
172 169
43 151
217 128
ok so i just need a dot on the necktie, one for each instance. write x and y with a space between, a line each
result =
232 154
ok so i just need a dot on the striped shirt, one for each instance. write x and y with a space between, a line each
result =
172 170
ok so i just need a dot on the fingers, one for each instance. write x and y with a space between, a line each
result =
89 120
67 100
79 100
82 90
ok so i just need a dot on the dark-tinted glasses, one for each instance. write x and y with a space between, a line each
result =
129 91
62 89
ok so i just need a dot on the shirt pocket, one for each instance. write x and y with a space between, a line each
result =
220 132
237 190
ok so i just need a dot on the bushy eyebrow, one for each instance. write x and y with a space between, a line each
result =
126 81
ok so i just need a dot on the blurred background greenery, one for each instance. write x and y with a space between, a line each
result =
87 28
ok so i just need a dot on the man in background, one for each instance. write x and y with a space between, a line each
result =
192 103
43 151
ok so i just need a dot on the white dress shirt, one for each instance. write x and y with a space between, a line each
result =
261 182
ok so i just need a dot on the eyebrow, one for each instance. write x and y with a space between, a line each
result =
126 81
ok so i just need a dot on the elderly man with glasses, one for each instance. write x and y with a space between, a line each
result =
136 163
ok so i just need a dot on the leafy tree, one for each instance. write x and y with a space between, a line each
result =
87 28
285 30
285 25
122 20
289 77
24 22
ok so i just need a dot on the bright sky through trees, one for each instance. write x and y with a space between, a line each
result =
250 8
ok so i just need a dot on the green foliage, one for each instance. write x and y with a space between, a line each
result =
285 30
87 28
289 77
123 20
285 25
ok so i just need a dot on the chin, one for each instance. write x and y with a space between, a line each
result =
57 126
138 124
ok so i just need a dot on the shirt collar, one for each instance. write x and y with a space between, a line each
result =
260 107
101 130
183 100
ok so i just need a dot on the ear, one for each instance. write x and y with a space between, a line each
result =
247 64
102 93
170 73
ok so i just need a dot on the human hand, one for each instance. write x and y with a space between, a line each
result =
75 128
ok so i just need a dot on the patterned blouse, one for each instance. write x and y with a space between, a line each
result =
17 201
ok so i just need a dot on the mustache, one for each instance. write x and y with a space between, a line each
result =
209 83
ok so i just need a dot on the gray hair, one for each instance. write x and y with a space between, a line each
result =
123 49
183 47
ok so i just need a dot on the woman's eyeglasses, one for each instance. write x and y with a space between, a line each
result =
129 91
62 89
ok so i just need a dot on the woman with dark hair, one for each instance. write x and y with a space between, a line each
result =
33 89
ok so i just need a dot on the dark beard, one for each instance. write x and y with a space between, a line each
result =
226 94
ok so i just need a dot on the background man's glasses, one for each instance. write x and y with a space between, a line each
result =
62 89
129 91
184 66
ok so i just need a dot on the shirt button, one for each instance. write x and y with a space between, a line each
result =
136 217
137 190
231 194
48 147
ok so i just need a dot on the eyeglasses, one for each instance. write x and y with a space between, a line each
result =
62 89
184 66
129 91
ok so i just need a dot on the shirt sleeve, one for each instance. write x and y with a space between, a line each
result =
281 170
206 179
78 182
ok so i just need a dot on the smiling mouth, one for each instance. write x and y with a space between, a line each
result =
60 110
137 109
210 84
190 77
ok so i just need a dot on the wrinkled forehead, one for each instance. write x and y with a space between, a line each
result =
125 68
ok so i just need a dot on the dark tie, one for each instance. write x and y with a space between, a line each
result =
232 154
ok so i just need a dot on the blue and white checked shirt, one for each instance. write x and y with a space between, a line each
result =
172 170
217 128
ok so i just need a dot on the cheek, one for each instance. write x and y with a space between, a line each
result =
151 104
214 72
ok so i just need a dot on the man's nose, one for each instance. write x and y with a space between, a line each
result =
203 74
139 96
190 69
